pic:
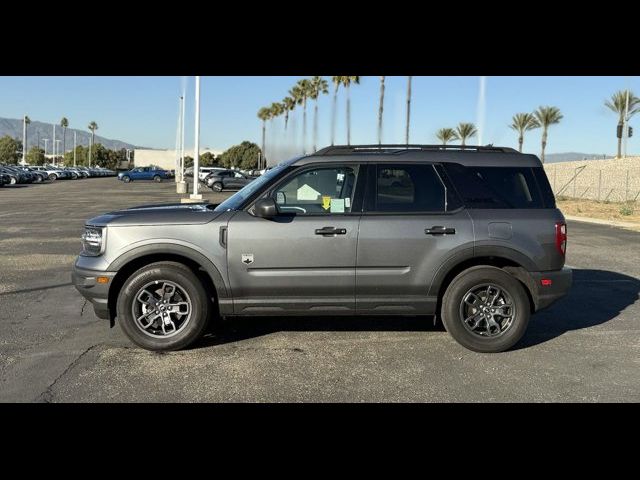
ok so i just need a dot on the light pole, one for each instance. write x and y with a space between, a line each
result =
45 149
625 126
75 138
196 148
53 144
182 140
90 152
57 142
24 140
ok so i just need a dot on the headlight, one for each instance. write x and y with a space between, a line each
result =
93 241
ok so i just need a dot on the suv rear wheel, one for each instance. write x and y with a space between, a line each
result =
485 309
157 178
163 306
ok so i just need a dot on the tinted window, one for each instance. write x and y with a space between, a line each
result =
496 187
321 190
408 188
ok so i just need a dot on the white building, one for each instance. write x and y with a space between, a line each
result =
164 158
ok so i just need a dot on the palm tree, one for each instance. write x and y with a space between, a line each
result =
547 116
264 114
27 121
303 93
466 130
380 110
318 86
445 135
618 104
93 126
346 83
64 123
408 108
334 109
523 122
289 104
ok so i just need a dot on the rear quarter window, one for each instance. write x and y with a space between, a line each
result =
501 187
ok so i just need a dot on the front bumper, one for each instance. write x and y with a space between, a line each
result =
86 283
561 281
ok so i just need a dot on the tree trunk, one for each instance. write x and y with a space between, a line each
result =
463 139
315 127
304 126
348 116
620 143
380 110
520 141
408 109
334 111
286 120
544 144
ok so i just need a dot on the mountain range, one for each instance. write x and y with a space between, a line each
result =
41 130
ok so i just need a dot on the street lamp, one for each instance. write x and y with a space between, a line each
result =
57 150
45 148
196 148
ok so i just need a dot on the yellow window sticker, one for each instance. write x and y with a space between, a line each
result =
326 202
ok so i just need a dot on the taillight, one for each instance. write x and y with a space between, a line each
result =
561 237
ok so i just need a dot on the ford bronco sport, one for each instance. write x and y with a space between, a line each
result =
469 234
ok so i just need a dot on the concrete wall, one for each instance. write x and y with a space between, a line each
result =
615 180
163 158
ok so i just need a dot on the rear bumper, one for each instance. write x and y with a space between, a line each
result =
561 281
86 283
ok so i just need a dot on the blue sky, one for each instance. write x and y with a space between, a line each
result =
143 110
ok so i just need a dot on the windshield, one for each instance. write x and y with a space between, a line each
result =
237 199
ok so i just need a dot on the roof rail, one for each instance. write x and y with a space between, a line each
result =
398 148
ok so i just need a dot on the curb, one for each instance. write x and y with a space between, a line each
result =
609 223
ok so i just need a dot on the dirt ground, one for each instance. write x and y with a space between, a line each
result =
624 211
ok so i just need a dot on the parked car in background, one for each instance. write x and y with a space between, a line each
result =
144 173
4 180
227 180
205 171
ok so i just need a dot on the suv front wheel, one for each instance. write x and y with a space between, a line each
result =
163 306
485 309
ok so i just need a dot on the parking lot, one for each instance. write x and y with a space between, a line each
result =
586 348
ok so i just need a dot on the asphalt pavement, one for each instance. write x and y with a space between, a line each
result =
586 348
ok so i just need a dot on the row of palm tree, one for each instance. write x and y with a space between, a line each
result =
623 102
64 123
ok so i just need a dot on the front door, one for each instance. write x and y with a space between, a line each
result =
303 260
410 226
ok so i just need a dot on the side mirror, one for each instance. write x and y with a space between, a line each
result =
266 208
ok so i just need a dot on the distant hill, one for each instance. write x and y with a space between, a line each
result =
573 156
41 130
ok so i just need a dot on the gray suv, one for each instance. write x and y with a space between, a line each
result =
471 235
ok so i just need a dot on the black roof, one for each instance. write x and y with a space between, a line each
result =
472 155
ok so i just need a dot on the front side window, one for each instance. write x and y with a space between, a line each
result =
408 188
326 190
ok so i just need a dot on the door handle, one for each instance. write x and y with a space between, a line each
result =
329 231
438 230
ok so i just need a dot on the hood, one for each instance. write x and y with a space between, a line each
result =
160 214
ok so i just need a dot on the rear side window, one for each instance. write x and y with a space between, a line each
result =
497 187
408 188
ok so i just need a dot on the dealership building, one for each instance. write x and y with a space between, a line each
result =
166 159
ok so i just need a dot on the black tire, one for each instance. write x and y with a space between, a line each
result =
217 187
188 281
13 181
126 179
157 178
454 297
53 177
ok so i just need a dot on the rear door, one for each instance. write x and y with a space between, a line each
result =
411 224
303 260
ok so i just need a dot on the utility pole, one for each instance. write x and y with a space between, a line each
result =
45 149
181 186
90 151
408 109
24 140
53 144
57 142
625 128
196 148
75 138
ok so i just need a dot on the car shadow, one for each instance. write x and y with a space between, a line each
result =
596 297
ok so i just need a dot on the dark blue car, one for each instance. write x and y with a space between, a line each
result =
144 173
